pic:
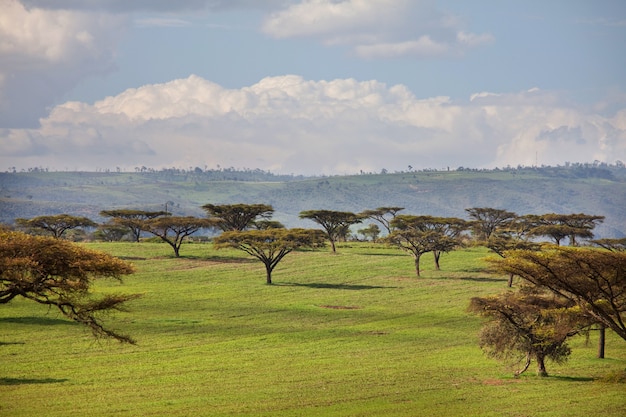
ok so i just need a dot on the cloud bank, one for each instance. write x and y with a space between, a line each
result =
287 124
377 28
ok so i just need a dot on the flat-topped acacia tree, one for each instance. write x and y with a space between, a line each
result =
334 223
174 229
238 217
56 225
60 274
270 246
132 219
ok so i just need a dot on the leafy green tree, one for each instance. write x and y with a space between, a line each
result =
409 234
422 234
370 232
110 232
238 217
383 215
513 237
174 229
61 274
485 221
594 279
134 220
334 223
449 230
56 225
529 322
270 246
561 226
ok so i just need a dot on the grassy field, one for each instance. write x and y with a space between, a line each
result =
351 334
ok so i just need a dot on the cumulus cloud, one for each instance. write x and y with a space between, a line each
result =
43 53
289 124
376 28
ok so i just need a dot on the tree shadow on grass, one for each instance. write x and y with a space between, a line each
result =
332 286
483 279
41 321
572 378
27 381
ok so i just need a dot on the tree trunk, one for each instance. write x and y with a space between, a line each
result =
541 366
437 255
332 245
417 265
601 341
510 283
268 274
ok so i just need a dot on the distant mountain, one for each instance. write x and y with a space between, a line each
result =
597 189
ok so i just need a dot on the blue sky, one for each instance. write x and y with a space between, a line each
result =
311 86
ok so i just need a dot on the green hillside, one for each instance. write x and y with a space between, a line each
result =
598 190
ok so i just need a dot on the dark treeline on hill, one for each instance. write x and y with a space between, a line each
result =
598 189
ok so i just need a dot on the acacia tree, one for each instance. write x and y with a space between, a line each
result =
270 246
60 274
334 223
383 215
593 279
529 322
174 229
238 217
449 230
486 221
560 226
56 225
612 244
372 231
513 237
422 234
409 234
134 220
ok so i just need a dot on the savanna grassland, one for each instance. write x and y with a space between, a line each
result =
351 334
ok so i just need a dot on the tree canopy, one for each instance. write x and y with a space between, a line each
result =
56 225
132 219
59 273
238 217
174 229
485 221
422 234
270 246
334 223
382 215
530 322
594 279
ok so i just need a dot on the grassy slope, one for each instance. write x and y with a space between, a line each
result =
352 334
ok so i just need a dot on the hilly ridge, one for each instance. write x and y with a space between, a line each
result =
579 189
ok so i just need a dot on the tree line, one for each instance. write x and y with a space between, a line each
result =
563 291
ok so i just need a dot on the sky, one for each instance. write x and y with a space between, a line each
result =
312 87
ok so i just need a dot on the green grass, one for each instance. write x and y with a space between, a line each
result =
351 334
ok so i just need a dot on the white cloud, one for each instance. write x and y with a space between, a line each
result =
292 125
43 53
376 28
